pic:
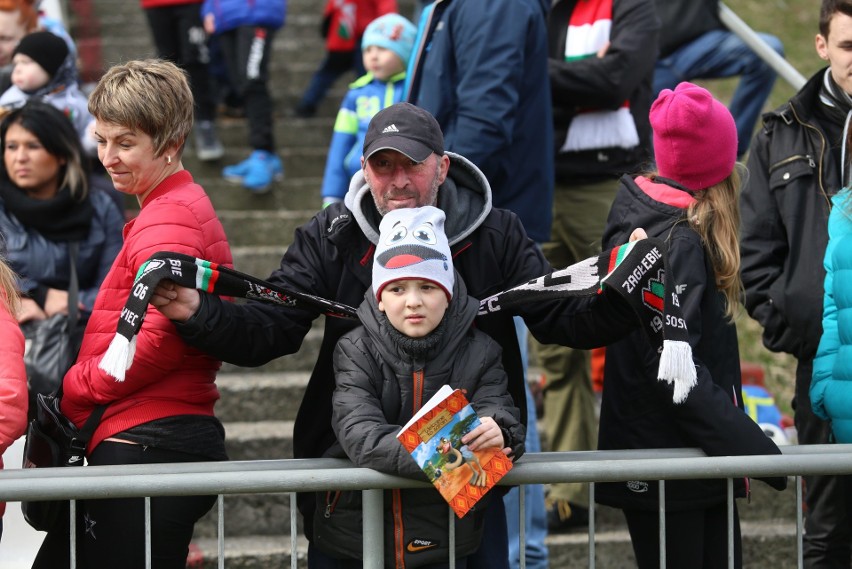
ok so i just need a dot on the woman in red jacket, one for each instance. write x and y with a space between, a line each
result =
163 410
13 375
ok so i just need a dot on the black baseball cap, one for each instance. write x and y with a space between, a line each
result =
404 128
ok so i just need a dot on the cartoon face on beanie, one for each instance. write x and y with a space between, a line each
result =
695 138
413 245
37 58
387 45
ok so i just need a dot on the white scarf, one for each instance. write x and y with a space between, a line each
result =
588 32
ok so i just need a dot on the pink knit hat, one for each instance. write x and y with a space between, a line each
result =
695 138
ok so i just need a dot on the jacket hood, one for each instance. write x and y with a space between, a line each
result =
465 198
457 321
633 208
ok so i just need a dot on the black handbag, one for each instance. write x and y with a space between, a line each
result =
52 344
53 441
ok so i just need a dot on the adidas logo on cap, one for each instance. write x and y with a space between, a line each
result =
391 128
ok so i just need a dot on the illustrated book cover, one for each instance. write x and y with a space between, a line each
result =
433 437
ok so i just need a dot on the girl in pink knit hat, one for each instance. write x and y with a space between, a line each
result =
690 201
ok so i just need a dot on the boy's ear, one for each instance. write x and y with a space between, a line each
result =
381 306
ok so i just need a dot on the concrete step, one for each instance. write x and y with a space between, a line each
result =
299 162
257 260
295 197
260 396
272 228
289 131
301 361
250 515
290 194
259 440
765 544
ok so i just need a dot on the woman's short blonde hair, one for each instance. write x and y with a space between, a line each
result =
148 95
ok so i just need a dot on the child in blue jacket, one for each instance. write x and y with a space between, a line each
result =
386 45
245 31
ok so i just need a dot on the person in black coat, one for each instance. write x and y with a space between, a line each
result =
691 203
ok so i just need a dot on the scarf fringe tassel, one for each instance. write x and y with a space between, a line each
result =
601 129
677 368
118 357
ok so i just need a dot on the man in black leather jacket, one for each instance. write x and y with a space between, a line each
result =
794 168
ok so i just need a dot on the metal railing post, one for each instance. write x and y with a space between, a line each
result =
662 485
452 531
294 534
730 489
374 534
591 525
220 529
147 532
72 510
800 562
522 524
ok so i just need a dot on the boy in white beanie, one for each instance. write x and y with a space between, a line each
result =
386 45
416 336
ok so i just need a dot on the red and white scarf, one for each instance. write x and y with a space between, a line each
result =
588 32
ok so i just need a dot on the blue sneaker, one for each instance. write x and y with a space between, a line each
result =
257 172
236 172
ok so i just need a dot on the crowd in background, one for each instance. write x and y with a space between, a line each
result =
577 116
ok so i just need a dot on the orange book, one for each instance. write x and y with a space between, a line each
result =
433 437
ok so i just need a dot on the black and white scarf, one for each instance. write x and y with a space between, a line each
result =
203 275
636 271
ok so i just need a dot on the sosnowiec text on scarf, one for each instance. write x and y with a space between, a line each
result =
636 271
206 276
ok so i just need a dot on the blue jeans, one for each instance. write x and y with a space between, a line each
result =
535 514
718 54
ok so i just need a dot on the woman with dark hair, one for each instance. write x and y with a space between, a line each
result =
45 205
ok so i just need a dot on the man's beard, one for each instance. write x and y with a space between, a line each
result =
431 196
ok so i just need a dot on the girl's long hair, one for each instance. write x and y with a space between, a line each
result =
715 215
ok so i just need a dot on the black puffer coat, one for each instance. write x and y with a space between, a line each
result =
637 410
379 389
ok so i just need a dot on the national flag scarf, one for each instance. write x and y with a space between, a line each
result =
203 275
637 272
588 31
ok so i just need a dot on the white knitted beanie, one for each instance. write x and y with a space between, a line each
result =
413 245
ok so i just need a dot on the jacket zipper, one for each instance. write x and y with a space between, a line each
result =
398 529
331 503
417 376
821 154
791 159
399 547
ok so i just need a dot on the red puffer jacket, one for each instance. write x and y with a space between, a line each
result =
344 21
13 385
167 377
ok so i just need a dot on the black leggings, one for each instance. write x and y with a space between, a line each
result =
111 532
695 538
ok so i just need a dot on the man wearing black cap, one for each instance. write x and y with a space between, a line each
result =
404 165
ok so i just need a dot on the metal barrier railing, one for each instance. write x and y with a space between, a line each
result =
291 476
785 71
